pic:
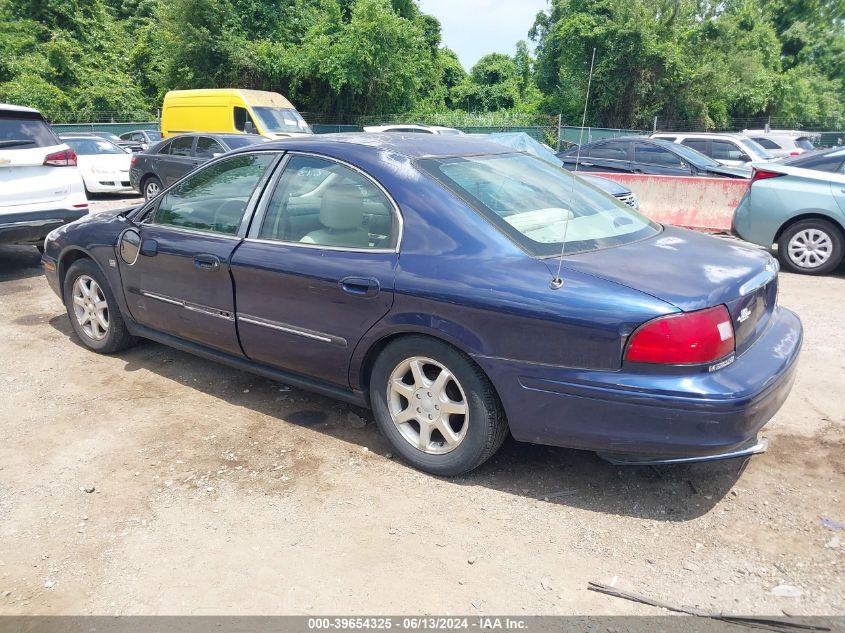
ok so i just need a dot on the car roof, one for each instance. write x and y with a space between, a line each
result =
738 135
409 145
8 107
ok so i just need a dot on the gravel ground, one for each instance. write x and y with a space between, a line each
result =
154 482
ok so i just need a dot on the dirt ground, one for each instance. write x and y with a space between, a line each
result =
217 492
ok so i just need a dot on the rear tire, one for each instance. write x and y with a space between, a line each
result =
93 310
152 187
810 247
442 423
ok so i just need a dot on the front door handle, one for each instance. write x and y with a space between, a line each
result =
360 286
586 164
207 262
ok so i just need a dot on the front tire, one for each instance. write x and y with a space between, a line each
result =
810 247
152 187
435 406
93 310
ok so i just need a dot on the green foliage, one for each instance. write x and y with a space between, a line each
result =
702 61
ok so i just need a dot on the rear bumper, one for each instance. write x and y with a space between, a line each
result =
659 417
33 227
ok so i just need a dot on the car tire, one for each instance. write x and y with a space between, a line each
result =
93 310
152 187
473 436
810 247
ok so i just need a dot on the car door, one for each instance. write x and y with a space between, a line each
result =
179 283
606 156
177 161
317 269
653 159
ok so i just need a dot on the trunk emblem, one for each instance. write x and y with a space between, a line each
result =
744 315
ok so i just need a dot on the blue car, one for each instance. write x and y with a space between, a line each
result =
460 289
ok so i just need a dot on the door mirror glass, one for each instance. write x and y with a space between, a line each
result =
129 246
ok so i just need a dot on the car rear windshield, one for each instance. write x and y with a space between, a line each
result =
758 149
804 143
154 136
92 146
235 142
538 205
25 131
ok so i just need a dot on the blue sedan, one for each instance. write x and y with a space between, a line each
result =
460 289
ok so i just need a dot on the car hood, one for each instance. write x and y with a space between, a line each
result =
686 269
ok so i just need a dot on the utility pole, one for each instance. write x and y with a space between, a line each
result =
559 119
654 129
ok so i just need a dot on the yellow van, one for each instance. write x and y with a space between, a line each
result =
231 110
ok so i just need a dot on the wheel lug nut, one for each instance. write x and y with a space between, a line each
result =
429 394
418 396
419 410
430 417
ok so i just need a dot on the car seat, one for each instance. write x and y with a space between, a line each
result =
342 217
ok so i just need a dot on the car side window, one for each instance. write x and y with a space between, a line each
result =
766 143
609 151
653 155
318 201
243 121
182 146
165 148
207 147
725 150
214 199
698 144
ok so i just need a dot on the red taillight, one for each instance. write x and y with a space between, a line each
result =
762 174
64 158
133 160
685 338
796 152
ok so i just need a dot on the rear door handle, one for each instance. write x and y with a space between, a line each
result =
360 286
207 262
586 164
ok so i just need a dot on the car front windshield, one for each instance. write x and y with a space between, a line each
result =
282 120
93 146
804 143
540 205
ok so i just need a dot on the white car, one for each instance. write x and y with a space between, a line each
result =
780 143
104 165
728 148
40 185
412 128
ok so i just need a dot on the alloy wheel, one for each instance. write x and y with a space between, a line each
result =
428 405
90 307
152 189
810 248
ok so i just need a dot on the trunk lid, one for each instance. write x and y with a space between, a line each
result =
24 179
692 271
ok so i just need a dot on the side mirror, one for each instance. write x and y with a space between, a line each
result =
249 128
745 158
129 246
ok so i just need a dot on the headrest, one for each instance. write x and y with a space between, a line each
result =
342 209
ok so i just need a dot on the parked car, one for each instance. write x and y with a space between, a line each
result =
413 128
643 155
144 138
730 149
231 110
829 160
615 189
165 163
129 146
40 185
800 210
780 143
104 166
651 344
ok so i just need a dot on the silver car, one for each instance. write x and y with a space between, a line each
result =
728 148
782 143
799 208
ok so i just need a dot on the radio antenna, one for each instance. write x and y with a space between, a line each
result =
557 282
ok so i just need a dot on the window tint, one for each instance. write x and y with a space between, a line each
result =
766 142
25 132
725 150
214 199
181 146
804 143
321 202
610 151
829 162
409 129
242 141
667 138
698 144
653 155
208 147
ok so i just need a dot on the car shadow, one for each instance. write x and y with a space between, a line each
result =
19 262
559 476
